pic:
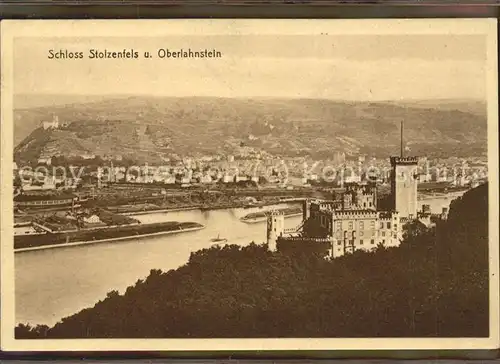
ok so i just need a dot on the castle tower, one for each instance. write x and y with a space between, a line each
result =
306 209
373 188
275 227
404 180
444 213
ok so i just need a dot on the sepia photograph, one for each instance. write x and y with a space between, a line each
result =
268 184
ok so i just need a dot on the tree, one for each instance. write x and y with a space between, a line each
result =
413 229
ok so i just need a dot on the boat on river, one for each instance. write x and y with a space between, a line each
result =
218 239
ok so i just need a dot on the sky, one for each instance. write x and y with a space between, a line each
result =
347 67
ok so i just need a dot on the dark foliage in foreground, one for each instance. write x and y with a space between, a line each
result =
435 284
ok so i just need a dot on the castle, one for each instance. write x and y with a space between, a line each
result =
54 124
352 220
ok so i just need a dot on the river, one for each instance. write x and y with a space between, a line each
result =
55 283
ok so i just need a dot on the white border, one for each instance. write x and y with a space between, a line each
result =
151 28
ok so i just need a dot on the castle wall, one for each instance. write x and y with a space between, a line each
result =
390 230
353 230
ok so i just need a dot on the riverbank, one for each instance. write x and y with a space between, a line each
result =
262 215
158 211
83 237
106 240
423 197
135 212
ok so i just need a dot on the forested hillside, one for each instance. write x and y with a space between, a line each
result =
434 285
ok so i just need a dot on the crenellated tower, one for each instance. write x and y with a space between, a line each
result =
275 227
404 181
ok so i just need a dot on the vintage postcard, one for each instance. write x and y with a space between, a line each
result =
265 184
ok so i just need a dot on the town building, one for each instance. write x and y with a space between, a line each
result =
87 156
92 221
45 160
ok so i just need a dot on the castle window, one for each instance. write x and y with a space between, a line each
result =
395 226
388 225
370 204
350 225
372 241
361 242
383 241
381 225
339 242
364 204
383 233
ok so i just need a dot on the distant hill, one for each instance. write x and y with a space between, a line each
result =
476 107
146 127
28 101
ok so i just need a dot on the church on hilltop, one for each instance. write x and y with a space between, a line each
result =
352 220
53 124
